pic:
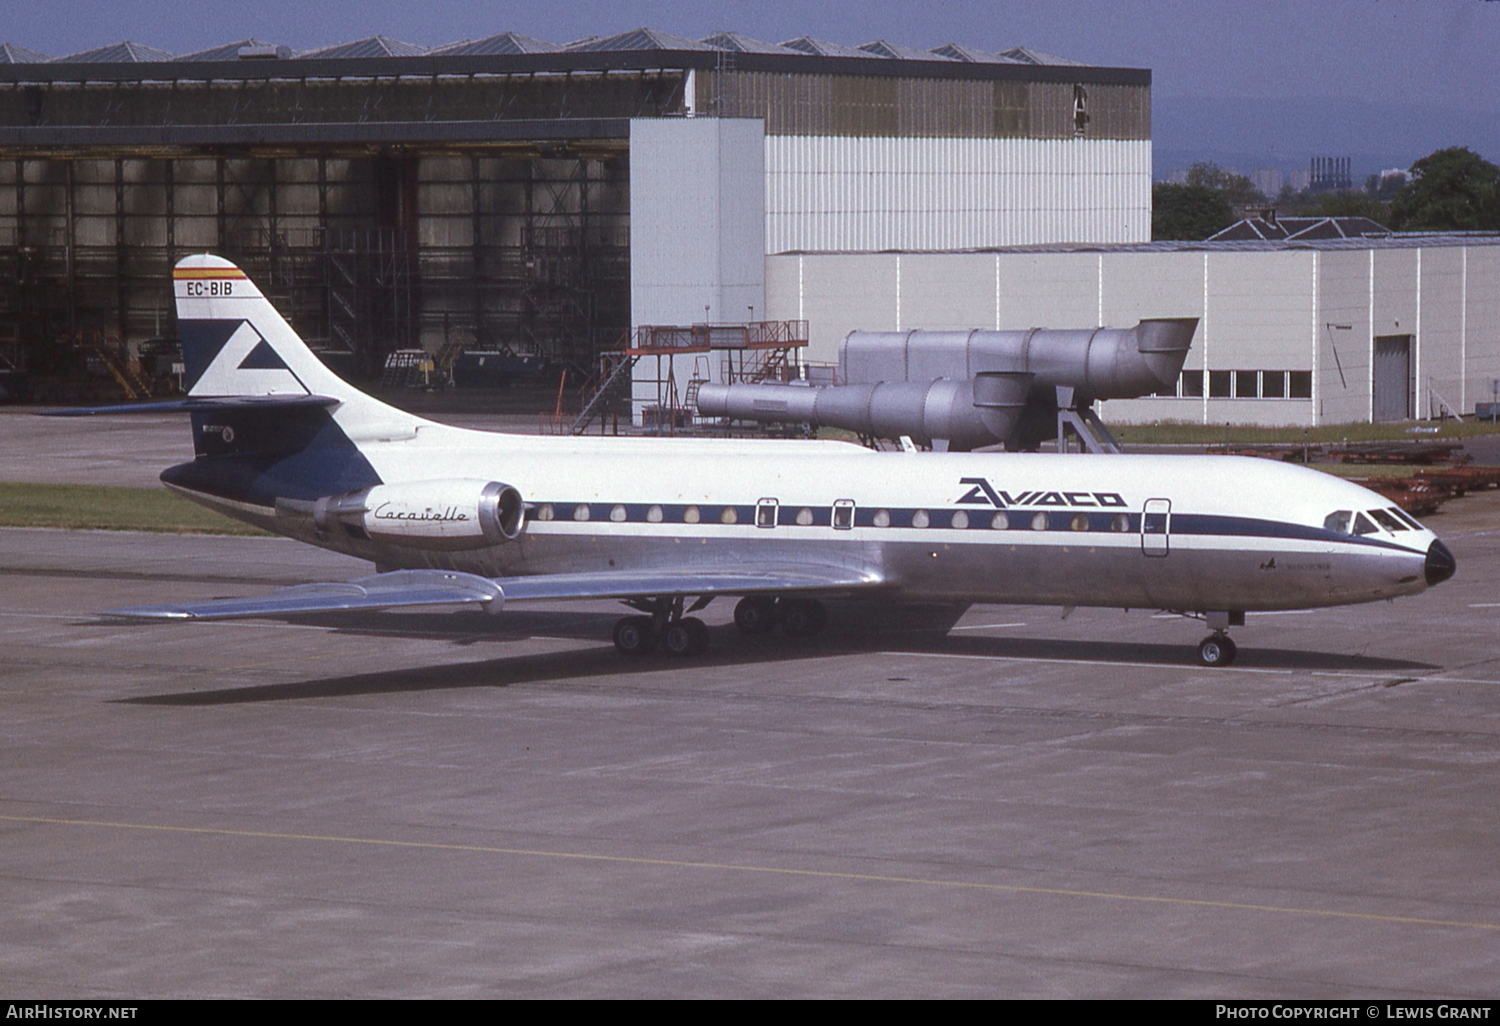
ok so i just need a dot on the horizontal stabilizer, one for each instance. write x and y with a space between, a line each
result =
439 587
199 404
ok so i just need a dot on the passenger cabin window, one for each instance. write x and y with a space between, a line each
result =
765 513
843 514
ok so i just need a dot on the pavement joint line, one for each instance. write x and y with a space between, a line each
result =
826 874
985 626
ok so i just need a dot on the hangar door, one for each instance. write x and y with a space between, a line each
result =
1393 382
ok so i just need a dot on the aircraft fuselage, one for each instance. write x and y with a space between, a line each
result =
1172 532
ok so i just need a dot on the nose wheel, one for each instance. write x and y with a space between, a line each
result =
1216 650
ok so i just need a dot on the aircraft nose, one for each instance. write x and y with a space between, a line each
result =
1440 563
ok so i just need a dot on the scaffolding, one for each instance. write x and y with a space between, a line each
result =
518 251
642 371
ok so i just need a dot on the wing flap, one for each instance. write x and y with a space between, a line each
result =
404 588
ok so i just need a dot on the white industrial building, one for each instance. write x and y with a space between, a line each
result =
1303 333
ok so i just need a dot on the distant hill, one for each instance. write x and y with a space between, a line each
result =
1247 133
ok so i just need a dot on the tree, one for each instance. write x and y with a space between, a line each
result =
1236 189
1349 204
1451 190
1188 211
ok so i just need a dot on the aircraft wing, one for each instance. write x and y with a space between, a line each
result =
401 588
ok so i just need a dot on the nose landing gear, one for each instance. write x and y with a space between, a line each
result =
1218 649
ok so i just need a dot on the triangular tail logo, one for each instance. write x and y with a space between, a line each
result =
245 364
263 357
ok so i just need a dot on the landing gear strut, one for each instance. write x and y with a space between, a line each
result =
665 627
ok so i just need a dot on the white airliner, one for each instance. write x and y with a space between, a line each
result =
453 516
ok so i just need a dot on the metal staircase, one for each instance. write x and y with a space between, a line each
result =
614 378
115 357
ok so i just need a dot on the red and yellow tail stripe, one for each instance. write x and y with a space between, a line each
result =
195 273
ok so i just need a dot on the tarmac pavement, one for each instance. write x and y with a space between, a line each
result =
454 805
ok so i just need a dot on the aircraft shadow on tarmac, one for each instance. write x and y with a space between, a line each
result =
728 649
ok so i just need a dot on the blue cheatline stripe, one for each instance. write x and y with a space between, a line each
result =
978 519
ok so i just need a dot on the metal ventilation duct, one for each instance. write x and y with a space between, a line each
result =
965 389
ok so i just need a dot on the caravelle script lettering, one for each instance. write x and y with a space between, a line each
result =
450 514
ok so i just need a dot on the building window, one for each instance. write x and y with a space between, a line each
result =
1246 384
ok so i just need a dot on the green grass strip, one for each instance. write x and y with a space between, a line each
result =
105 508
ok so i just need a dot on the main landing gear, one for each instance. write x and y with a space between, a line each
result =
665 628
799 618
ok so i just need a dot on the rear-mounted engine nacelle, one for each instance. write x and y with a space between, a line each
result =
451 514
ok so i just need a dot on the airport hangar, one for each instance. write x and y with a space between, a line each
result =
528 196
536 198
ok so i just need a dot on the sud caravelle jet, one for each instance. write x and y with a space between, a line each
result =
454 516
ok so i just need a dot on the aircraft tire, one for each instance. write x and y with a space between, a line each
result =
685 637
634 635
755 615
1217 650
802 618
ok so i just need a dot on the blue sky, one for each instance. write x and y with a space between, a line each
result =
1413 52
1436 59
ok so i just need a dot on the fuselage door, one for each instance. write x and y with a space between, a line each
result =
1156 527
765 513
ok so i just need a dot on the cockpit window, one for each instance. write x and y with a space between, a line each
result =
1401 513
1387 521
1338 521
1362 524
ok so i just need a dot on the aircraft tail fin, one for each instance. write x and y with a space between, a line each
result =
236 343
